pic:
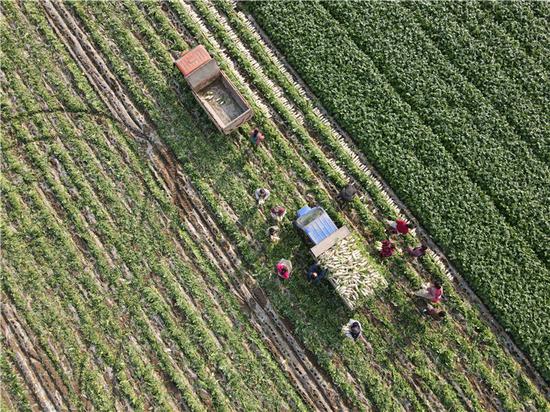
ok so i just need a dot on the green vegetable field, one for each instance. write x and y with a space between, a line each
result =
136 269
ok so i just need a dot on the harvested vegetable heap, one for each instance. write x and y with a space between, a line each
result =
351 272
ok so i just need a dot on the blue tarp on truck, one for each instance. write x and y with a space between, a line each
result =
315 223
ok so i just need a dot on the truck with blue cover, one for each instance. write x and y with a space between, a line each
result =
351 270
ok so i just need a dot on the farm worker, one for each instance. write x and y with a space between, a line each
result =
435 312
278 213
315 273
399 226
273 233
387 248
417 251
261 195
257 137
352 329
432 292
284 267
347 193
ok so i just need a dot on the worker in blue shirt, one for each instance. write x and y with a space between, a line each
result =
315 273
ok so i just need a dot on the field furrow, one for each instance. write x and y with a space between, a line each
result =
137 270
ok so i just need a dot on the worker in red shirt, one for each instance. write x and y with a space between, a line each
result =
399 226
432 292
283 267
278 213
387 248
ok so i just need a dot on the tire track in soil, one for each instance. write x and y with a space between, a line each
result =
317 394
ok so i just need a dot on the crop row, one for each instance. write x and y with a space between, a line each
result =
18 394
497 65
186 283
463 220
523 25
469 128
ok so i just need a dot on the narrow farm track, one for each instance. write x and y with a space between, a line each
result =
179 326
313 386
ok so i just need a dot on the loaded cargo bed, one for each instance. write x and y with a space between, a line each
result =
221 100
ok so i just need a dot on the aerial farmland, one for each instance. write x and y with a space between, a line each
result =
218 205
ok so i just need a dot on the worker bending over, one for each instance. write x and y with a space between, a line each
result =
278 213
399 226
352 329
387 249
347 193
315 273
273 234
261 195
431 291
256 137
416 252
284 268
